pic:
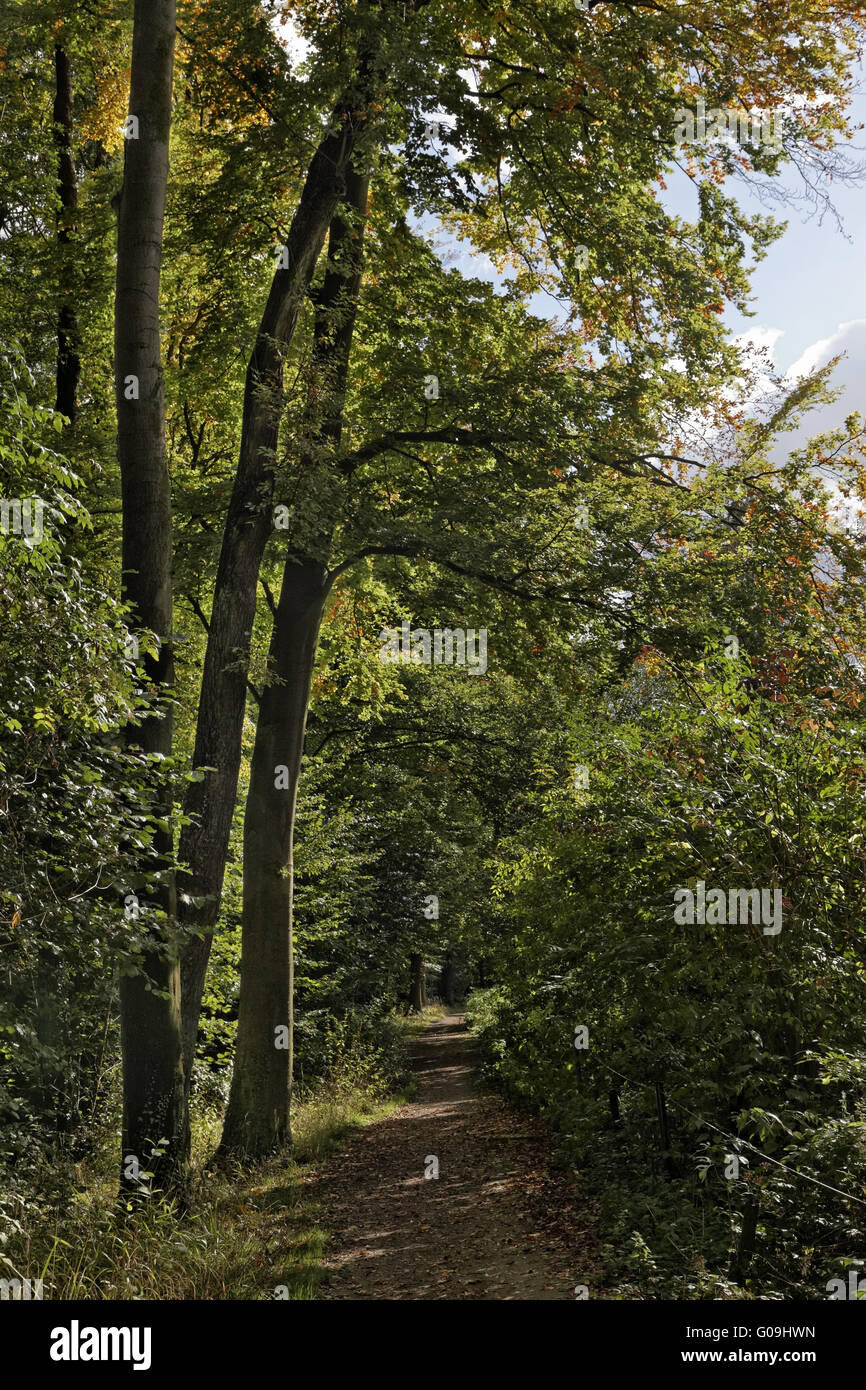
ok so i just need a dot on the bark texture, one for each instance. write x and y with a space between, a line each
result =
249 524
257 1120
155 1123
416 982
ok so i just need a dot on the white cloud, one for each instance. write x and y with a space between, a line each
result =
849 374
762 337
849 338
758 344
849 377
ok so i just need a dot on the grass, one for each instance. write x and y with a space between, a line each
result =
252 1232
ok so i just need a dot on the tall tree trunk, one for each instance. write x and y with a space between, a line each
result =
155 1121
257 1120
210 803
68 360
416 982
68 369
446 980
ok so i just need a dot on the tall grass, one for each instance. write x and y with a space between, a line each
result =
250 1233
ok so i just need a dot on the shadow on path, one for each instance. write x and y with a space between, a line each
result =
477 1230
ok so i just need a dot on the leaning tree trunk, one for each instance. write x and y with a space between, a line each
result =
68 359
210 804
155 1120
257 1120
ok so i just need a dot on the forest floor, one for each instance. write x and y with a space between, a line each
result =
499 1222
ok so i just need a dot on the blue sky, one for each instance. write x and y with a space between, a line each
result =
809 291
814 279
808 295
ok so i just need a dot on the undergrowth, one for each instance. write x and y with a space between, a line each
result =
249 1232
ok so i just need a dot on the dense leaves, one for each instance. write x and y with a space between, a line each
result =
543 431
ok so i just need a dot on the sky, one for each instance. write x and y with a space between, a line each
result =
808 295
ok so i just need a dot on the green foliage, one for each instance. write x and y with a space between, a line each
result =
75 808
742 773
252 1235
607 641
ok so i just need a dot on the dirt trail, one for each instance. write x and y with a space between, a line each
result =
494 1224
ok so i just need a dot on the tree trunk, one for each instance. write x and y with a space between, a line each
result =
249 525
154 1107
68 368
416 982
257 1120
68 360
446 980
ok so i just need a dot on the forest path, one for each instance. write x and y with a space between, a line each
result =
494 1224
